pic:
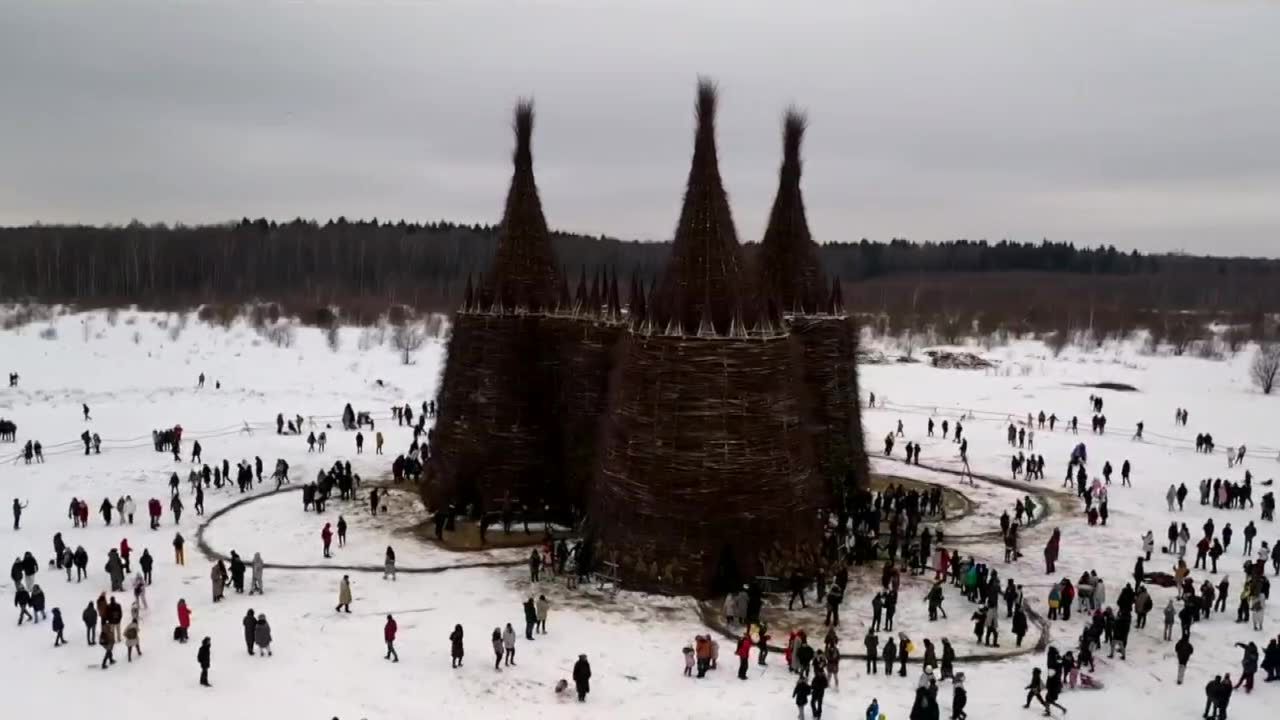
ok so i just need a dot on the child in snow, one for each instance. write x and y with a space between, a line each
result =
688 661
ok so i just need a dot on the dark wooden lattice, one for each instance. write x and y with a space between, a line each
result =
790 272
704 278
706 471
497 388
524 271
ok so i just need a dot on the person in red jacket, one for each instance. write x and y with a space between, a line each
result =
153 511
744 654
326 535
184 621
389 635
124 553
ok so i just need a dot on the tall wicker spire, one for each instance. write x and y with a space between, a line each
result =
705 269
524 266
790 273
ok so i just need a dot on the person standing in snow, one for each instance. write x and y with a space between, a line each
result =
342 531
509 644
543 606
90 618
17 512
530 618
455 646
262 636
801 695
204 657
959 698
389 637
58 627
250 623
255 586
582 677
535 564
496 641
326 537
344 595
389 564
743 652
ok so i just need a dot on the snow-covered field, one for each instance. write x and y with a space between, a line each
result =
136 375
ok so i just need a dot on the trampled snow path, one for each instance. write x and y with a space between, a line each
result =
328 665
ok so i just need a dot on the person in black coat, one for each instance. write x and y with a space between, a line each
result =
1183 650
22 600
237 572
1019 625
203 657
250 623
530 618
81 559
90 618
582 677
455 646
872 645
145 563
58 627
959 698
889 654
37 603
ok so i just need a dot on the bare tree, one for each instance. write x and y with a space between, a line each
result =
1181 331
407 338
1235 338
1266 365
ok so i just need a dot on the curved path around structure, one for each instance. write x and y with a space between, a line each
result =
708 613
213 554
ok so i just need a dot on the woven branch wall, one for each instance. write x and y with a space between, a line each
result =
829 344
584 347
705 455
491 436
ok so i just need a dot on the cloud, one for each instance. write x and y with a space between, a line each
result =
1143 124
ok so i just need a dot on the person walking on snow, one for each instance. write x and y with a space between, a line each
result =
389 637
326 537
1183 650
344 595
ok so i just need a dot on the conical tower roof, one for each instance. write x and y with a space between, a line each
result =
790 273
524 266
705 270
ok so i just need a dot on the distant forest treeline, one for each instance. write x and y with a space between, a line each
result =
362 268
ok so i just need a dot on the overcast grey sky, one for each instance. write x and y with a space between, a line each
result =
1149 125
